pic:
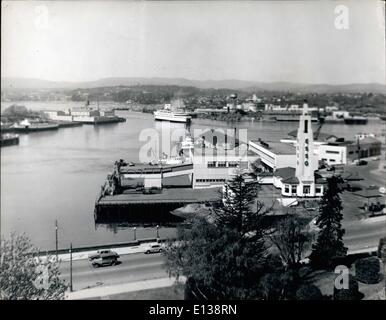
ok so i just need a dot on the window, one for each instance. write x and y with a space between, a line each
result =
221 164
351 152
293 189
332 160
211 164
286 188
333 152
306 189
318 189
306 127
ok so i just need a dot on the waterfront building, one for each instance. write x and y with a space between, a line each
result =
292 168
213 166
83 115
217 156
337 151
274 155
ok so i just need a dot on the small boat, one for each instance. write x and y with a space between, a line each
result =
9 140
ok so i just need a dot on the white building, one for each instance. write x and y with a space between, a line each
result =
274 155
294 165
216 158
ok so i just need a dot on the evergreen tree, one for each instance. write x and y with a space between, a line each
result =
223 255
329 243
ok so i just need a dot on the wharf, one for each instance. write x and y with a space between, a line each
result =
67 124
154 207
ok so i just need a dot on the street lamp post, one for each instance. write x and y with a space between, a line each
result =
157 231
135 233
56 239
71 267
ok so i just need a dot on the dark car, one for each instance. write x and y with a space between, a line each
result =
361 163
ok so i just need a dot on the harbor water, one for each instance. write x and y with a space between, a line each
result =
57 175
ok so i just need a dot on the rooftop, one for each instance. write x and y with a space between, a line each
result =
285 173
157 168
241 150
276 147
180 195
321 137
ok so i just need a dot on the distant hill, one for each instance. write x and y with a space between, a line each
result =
249 86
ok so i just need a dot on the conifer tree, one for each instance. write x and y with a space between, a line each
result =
223 255
329 244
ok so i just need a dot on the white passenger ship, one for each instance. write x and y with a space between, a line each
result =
172 114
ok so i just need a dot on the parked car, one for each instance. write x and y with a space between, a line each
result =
105 259
99 252
154 248
361 163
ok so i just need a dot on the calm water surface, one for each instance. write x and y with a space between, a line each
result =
56 175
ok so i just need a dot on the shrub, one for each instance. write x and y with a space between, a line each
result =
309 292
351 293
367 270
270 286
382 249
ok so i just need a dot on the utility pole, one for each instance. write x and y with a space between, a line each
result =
157 231
56 239
70 267
135 233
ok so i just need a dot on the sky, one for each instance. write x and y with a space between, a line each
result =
269 41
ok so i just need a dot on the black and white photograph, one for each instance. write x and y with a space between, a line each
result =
193 151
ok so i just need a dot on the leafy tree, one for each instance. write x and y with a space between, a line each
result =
25 276
329 244
291 240
224 254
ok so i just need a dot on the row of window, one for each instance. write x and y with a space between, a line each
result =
306 189
224 164
210 180
330 160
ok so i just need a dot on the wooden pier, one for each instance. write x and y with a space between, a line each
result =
156 207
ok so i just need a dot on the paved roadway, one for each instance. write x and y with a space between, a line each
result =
365 233
133 267
139 266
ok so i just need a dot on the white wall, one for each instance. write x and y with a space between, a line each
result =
333 154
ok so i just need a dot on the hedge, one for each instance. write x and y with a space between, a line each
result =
367 270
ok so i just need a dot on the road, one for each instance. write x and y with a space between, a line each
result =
365 233
133 267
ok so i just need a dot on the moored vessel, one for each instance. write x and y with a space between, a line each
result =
28 126
173 113
9 139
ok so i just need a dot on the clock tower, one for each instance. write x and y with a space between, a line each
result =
306 161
